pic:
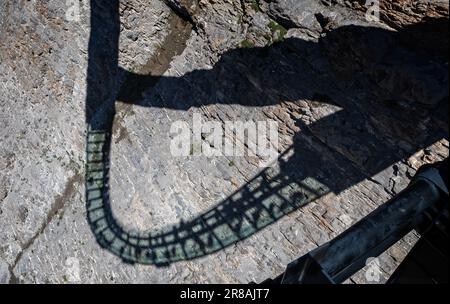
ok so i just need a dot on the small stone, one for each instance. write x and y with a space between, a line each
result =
5 275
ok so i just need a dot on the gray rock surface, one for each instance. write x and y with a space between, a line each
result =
355 159
4 273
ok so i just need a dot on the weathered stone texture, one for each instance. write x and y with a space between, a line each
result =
344 108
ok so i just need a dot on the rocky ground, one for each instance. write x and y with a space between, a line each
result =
361 105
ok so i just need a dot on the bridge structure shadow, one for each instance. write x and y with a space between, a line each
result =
379 124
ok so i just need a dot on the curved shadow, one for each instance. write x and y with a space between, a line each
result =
379 125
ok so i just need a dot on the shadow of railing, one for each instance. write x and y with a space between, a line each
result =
259 203
257 77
